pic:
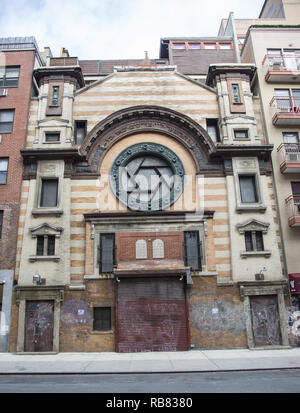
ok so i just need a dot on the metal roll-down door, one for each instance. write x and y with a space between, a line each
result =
151 315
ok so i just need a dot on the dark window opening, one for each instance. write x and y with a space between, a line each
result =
52 136
241 134
212 127
248 189
55 95
80 131
102 319
107 253
45 245
6 120
236 93
1 223
192 247
254 241
49 192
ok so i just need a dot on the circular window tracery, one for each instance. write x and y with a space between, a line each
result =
147 177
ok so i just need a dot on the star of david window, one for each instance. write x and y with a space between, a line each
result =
147 177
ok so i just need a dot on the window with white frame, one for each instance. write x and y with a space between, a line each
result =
3 170
6 120
10 76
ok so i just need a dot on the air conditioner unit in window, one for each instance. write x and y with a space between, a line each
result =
3 92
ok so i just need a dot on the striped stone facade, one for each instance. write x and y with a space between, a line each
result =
145 106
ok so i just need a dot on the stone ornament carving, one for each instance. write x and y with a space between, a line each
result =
45 229
246 164
253 225
141 249
147 177
49 168
158 249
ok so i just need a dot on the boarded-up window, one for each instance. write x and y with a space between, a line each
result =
107 252
102 319
192 250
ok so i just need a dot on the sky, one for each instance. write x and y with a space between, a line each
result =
116 29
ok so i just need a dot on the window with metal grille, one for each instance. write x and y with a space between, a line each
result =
10 76
45 245
6 120
49 192
254 241
107 253
248 189
192 248
102 319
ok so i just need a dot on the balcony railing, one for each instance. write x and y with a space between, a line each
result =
285 111
64 61
293 207
281 67
289 157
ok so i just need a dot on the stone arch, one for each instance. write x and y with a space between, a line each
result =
140 119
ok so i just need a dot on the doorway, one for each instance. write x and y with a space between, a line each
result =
39 321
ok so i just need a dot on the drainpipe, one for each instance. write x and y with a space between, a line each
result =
235 39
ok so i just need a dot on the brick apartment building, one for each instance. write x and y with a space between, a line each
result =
18 57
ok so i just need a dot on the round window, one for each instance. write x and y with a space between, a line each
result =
147 177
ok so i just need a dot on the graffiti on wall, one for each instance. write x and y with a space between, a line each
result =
75 312
293 324
218 316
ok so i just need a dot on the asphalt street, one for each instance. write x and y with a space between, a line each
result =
263 381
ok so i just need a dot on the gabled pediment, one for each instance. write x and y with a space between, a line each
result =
253 225
45 229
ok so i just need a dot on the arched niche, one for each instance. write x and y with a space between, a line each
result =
143 119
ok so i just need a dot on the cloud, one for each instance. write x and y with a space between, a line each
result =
112 29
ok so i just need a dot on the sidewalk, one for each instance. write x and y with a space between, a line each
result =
156 362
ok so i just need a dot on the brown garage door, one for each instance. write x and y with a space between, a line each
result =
151 315
39 326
